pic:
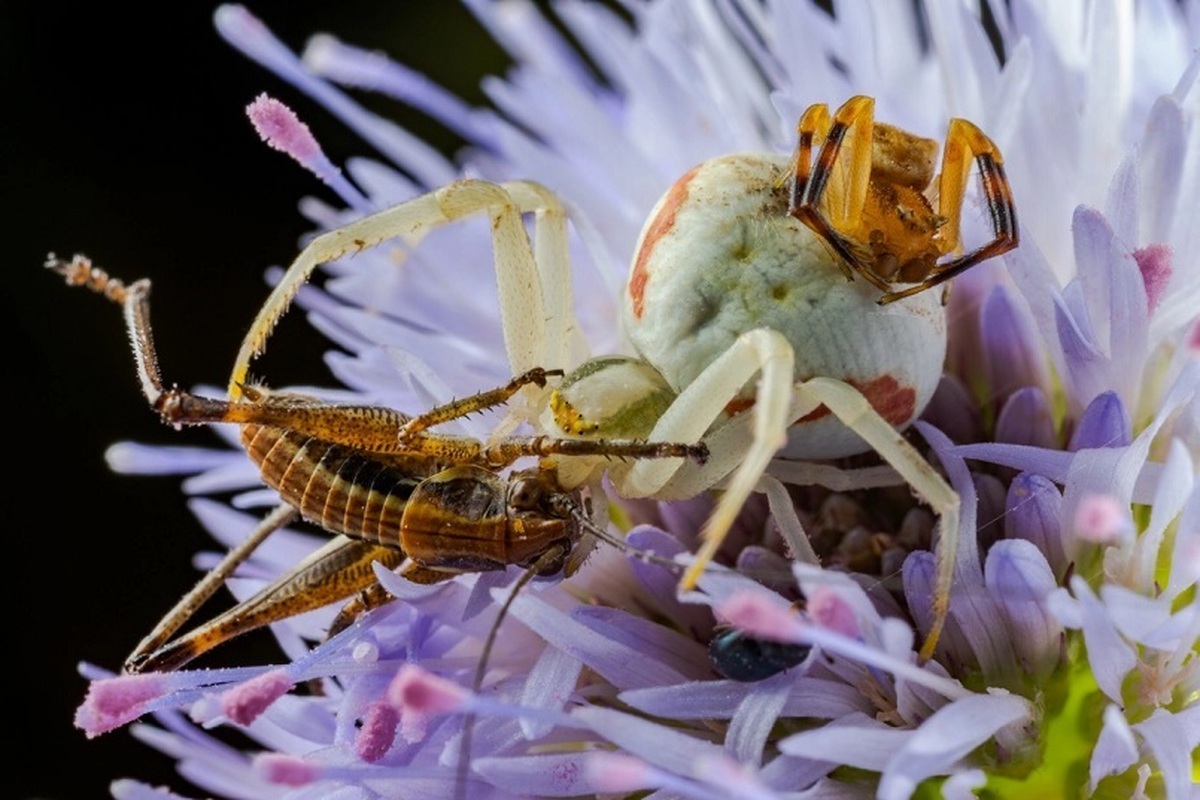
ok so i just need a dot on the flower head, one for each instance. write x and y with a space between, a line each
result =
1067 424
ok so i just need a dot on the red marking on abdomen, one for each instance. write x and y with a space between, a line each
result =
737 405
663 221
895 403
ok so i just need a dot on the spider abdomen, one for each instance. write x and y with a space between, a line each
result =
721 256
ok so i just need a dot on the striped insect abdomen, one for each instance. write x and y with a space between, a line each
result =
456 520
332 486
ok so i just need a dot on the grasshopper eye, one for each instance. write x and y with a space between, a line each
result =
527 494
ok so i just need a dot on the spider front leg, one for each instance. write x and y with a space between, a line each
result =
777 402
533 279
856 413
964 142
692 414
842 171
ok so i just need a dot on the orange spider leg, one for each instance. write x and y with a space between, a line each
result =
846 179
813 127
964 140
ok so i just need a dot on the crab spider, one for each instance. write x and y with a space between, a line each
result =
741 271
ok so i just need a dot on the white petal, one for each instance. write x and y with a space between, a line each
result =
1110 656
549 685
1185 559
856 741
756 714
1116 750
949 735
962 785
1175 484
1170 743
670 749
1145 620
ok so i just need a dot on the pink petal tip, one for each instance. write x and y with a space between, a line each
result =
1154 261
830 611
761 615
1100 518
417 690
280 128
112 702
243 703
377 733
285 770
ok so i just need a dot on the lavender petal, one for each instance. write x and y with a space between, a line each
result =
1104 423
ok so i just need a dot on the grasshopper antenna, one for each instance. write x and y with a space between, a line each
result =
627 548
551 556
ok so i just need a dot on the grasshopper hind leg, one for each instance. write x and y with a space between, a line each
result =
338 570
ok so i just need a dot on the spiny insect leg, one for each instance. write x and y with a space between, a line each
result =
335 572
191 602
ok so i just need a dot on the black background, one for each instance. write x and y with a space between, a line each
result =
123 136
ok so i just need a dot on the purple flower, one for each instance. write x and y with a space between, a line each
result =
1068 424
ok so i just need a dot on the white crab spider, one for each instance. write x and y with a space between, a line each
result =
741 270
